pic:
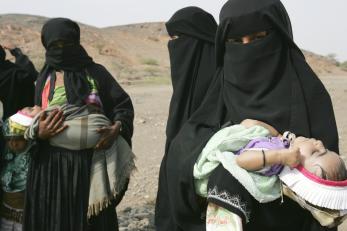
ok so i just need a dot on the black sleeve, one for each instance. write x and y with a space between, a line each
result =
116 102
28 73
225 191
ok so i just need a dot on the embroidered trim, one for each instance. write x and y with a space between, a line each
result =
234 201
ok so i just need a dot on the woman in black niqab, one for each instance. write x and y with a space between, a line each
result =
268 80
59 178
192 57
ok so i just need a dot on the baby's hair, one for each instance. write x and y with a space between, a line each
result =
339 173
341 170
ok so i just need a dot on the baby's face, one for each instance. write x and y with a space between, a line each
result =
17 144
32 111
315 157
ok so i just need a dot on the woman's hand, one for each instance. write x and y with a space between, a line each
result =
108 135
8 46
51 125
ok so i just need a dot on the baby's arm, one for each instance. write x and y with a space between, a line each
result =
250 123
253 160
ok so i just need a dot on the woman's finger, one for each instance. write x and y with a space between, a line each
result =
57 116
102 130
51 115
43 116
59 130
58 124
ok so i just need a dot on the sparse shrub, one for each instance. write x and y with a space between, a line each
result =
150 62
343 65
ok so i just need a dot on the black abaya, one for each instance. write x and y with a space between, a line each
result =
17 80
192 57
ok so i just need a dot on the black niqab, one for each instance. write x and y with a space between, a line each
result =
61 39
192 57
267 80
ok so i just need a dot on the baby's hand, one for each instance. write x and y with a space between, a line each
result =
290 157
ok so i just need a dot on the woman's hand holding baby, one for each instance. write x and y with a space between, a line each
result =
108 135
51 125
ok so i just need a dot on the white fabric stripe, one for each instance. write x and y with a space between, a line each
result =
330 197
21 119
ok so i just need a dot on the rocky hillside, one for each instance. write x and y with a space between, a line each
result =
132 52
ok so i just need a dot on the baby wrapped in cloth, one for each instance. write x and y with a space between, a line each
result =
110 169
324 198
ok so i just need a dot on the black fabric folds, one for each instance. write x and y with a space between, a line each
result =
267 79
194 22
192 57
17 80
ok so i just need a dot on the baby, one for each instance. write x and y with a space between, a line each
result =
82 125
270 154
110 168
260 159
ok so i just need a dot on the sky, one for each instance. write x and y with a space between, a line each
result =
319 25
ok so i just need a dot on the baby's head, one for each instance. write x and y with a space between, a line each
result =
31 111
320 161
15 127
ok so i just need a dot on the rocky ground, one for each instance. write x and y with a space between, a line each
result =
151 104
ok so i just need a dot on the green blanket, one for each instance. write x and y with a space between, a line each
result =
221 149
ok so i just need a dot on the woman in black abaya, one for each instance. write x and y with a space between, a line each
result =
17 80
192 57
267 79
59 178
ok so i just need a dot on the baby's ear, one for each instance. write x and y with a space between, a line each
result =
316 170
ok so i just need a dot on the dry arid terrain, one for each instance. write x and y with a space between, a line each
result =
137 56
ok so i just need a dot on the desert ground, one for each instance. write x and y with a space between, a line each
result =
151 107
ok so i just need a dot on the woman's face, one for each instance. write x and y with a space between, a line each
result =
248 38
32 111
315 157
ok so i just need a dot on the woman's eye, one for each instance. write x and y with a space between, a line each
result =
234 40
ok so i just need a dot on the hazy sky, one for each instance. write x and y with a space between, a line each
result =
319 25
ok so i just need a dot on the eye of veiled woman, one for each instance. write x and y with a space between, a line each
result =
248 38
174 37
61 44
